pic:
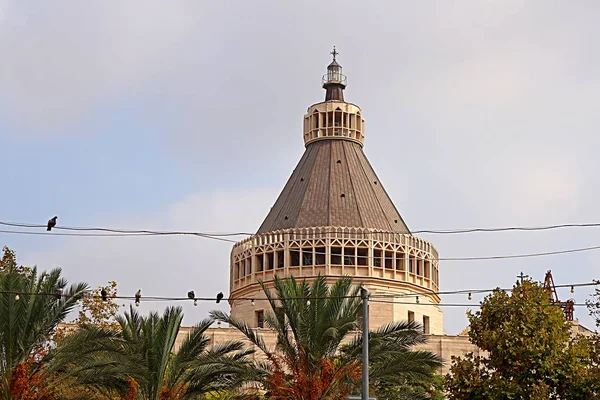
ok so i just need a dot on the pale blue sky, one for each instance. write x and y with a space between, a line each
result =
188 115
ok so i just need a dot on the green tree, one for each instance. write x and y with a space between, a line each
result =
530 353
97 311
32 304
310 361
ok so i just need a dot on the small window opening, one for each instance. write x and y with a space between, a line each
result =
377 258
294 257
389 260
425 324
336 256
363 256
280 260
307 257
270 261
320 256
411 316
260 319
349 256
259 262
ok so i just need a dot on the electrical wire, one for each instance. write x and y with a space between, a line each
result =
375 298
428 231
150 233
506 229
476 304
113 232
500 257
476 291
207 236
74 234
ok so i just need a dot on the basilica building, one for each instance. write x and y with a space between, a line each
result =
334 218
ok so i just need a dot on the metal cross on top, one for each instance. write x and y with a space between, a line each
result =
334 53
522 276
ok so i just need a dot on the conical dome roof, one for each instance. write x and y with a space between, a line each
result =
334 185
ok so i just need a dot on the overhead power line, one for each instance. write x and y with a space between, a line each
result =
73 234
375 298
475 304
507 229
307 298
226 234
477 258
572 286
219 236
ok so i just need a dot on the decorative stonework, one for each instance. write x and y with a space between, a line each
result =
334 120
397 266
334 251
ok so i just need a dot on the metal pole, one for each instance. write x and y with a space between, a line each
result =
364 294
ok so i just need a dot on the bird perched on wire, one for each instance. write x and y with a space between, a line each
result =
138 296
51 223
191 295
219 297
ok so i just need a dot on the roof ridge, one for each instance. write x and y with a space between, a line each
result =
352 183
362 168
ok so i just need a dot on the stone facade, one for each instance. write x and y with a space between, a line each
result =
442 345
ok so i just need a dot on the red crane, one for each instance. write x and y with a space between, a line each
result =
567 306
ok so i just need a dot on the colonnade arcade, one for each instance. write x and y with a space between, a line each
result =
358 252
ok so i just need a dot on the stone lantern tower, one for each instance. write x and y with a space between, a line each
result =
334 218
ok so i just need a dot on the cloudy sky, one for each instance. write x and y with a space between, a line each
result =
188 115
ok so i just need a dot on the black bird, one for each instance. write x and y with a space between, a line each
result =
219 297
104 294
191 295
138 296
51 223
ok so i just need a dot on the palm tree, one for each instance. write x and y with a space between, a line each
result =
310 361
140 357
395 370
194 369
31 307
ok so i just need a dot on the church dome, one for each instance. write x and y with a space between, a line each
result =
334 185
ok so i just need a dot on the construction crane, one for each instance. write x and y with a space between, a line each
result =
568 306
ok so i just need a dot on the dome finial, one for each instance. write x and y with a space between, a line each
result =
334 53
334 81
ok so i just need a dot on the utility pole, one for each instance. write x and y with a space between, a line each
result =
364 294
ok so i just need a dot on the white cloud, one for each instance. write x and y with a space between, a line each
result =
163 266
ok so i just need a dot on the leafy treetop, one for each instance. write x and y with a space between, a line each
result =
530 351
